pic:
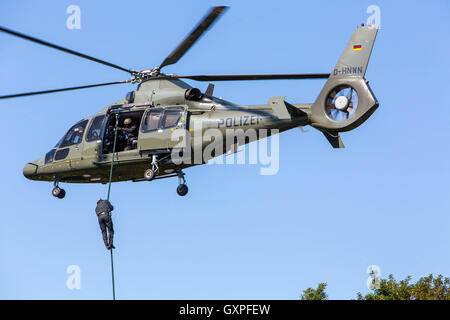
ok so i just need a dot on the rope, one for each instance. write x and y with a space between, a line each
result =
109 192
112 161
112 275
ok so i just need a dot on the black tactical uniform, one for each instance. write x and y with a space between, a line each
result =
109 140
129 131
103 211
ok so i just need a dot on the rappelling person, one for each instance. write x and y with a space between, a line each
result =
103 211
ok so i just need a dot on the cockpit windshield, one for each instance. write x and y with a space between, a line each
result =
57 144
74 135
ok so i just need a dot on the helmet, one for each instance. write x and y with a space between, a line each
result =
127 121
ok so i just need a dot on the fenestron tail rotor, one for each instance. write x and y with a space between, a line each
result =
341 103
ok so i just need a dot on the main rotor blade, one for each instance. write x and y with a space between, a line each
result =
195 34
54 46
237 77
17 95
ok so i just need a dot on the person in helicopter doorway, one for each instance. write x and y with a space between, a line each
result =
103 211
109 140
129 132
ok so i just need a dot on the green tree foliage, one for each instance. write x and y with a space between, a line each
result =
315 294
427 288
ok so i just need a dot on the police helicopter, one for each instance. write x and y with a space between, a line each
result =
163 104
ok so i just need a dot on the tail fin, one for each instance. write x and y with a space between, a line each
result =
346 100
355 58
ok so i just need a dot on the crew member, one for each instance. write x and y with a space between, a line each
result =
129 131
109 140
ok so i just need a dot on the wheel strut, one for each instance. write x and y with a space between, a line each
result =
58 192
150 174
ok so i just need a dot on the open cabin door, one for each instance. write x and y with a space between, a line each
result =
127 136
163 129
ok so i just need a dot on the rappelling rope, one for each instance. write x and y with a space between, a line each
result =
109 192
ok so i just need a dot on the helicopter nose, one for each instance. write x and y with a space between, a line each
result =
29 170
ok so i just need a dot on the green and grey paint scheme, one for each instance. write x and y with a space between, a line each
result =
86 164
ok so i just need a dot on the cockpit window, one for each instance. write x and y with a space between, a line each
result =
49 156
95 129
74 135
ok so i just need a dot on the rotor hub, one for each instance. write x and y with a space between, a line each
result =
146 74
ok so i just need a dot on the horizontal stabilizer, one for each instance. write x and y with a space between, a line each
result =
334 139
279 108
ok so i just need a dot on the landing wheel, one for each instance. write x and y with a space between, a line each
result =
62 194
59 193
182 190
149 174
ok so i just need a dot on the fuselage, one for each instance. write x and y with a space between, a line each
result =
168 115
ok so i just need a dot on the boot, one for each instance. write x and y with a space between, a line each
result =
111 236
105 240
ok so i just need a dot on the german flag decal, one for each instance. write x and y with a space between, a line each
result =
357 47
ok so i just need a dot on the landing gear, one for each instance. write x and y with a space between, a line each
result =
58 192
150 174
182 188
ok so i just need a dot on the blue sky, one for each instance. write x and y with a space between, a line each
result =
325 217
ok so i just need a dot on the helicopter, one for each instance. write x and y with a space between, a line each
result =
163 104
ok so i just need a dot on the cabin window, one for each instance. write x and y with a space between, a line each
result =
151 121
161 118
171 118
95 129
74 135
